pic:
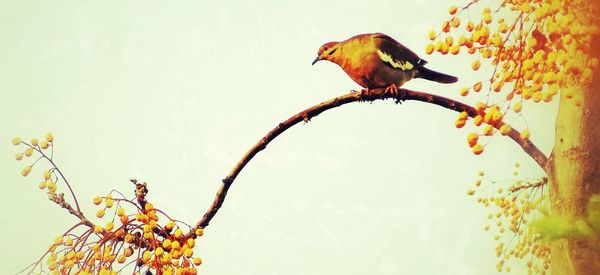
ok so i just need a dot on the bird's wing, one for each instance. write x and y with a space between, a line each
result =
395 54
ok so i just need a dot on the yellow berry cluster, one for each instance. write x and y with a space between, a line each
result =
136 240
133 240
537 49
513 206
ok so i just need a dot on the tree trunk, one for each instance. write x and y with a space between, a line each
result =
574 174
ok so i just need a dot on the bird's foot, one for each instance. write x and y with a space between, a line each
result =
398 94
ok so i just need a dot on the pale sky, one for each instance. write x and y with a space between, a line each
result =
174 93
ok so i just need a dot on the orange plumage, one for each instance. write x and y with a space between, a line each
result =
375 60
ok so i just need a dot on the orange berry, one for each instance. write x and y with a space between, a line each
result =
199 232
455 49
477 87
470 26
455 22
459 123
478 120
446 26
488 130
477 149
472 139
452 10
464 91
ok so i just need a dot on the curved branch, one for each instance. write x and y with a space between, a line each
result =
365 95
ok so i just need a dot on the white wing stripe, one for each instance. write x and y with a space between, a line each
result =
398 64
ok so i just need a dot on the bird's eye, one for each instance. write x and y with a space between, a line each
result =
330 53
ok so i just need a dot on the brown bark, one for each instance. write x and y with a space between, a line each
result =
574 175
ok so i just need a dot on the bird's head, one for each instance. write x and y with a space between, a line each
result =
327 52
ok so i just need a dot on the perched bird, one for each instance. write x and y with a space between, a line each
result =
375 60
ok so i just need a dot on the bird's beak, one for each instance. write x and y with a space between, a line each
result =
316 59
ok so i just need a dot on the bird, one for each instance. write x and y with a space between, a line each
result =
376 60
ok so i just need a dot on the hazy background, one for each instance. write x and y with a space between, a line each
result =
175 92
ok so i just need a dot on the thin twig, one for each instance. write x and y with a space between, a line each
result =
365 95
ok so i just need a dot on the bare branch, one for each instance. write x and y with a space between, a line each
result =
365 95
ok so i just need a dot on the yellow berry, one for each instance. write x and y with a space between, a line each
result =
58 240
120 211
525 134
109 202
16 141
178 233
432 35
197 261
25 171
488 130
19 156
199 232
472 139
49 137
109 226
170 225
47 174
44 144
459 123
518 107
97 200
470 192
505 129
159 251
51 186
34 142
42 185
100 213
475 65
464 91
477 149
429 48
29 152
166 243
455 22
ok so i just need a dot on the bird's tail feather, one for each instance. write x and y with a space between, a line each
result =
435 76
